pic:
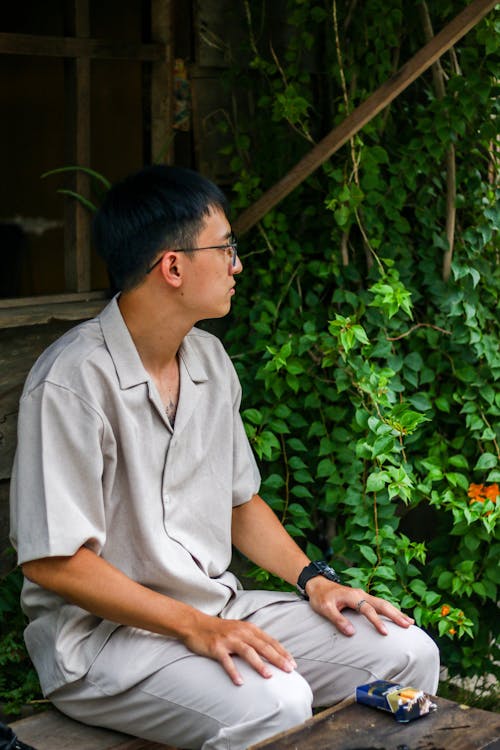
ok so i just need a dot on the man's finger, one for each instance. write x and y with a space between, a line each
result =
366 609
329 609
393 613
229 666
251 656
279 657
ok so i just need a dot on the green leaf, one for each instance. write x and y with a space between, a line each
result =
383 444
368 553
414 361
459 461
293 530
377 480
273 482
302 476
81 198
96 175
252 415
386 572
418 587
296 445
457 480
431 598
486 461
301 491
442 404
326 467
420 401
471 541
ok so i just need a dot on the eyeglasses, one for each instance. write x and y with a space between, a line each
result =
231 249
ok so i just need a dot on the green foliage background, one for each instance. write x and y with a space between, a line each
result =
372 383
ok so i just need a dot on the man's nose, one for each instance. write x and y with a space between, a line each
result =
238 266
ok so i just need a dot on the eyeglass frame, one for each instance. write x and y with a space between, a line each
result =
233 245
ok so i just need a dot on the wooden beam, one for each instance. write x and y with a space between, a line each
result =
77 132
366 111
52 299
162 83
96 49
37 314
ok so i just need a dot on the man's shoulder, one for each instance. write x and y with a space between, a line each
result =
61 363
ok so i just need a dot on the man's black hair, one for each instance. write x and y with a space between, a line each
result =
158 206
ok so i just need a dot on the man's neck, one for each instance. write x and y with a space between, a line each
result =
157 331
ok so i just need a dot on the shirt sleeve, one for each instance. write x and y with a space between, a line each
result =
56 490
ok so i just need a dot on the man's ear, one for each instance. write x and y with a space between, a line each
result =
171 268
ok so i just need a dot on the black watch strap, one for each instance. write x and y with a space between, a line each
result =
319 568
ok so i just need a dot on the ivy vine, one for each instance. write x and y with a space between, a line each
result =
367 332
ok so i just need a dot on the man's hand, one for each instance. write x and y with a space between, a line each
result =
330 599
221 639
98 587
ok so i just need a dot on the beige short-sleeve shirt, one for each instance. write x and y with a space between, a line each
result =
98 464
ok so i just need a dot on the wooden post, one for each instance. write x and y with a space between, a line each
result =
162 84
77 127
366 111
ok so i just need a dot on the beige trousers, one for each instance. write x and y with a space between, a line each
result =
153 687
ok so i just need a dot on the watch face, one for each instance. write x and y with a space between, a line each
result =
327 571
323 567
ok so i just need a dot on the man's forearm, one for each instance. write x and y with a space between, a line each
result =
98 587
260 536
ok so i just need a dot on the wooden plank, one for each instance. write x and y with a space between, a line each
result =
366 111
36 314
95 49
162 83
53 299
51 730
77 131
350 726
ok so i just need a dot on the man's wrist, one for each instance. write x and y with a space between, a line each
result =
313 570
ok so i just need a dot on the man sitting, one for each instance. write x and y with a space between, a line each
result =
133 479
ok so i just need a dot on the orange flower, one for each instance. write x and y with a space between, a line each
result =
492 492
476 492
445 610
452 631
480 493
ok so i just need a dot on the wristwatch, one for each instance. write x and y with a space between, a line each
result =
312 570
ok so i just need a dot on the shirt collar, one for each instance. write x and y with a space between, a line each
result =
128 364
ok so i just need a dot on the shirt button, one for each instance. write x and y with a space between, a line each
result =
166 497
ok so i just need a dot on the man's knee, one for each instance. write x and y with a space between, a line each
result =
296 706
420 661
283 701
268 707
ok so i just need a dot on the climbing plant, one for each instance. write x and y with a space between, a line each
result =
365 328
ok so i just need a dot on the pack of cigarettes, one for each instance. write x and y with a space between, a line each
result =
404 703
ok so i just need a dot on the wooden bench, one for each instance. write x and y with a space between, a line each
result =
346 726
349 726
51 730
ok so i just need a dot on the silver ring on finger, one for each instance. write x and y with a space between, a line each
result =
360 604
